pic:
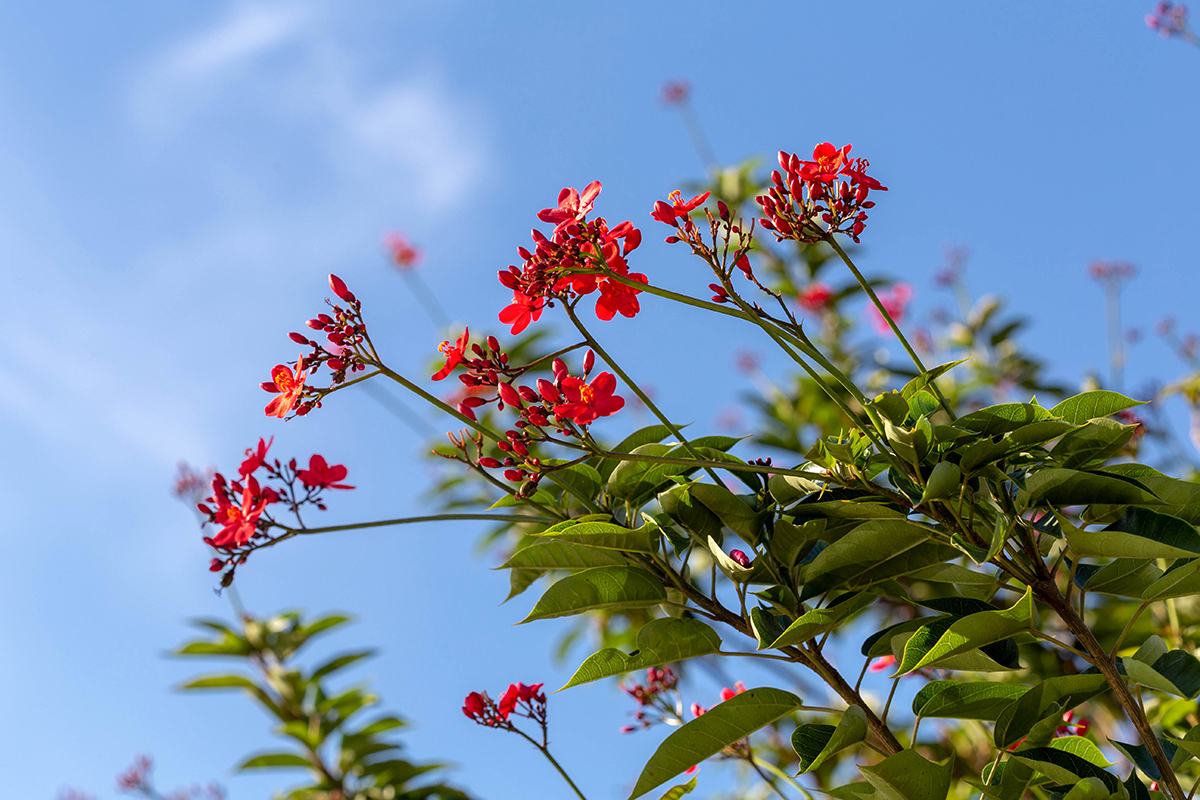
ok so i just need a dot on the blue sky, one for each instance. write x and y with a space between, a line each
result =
177 179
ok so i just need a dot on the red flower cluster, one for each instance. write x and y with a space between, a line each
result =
896 301
518 699
1169 19
577 259
812 200
343 353
657 699
404 254
726 694
239 506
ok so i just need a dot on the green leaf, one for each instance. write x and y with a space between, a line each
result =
952 700
1002 418
1092 444
1139 754
873 552
1139 533
1092 405
787 489
867 508
908 776
340 662
547 554
634 480
1068 487
815 743
1176 672
679 791
1081 747
952 573
607 536
707 735
732 569
521 579
892 405
583 478
819 620
921 381
1123 577
972 632
679 503
1181 580
789 543
599 587
1063 767
648 435
733 510
269 760
945 481
660 641
1045 701
219 682
767 626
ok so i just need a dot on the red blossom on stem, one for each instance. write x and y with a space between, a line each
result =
895 302
453 353
586 402
815 297
667 213
522 311
289 385
322 475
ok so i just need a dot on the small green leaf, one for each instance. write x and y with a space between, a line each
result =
707 735
634 480
952 700
815 743
1081 747
787 489
908 776
1063 767
972 632
1139 754
1181 580
676 792
1092 405
732 569
945 481
340 662
679 503
873 552
219 682
921 381
599 587
733 510
819 620
1123 577
660 641
607 536
269 760
582 477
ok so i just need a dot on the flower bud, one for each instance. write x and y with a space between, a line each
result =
493 344
739 557
589 361
268 386
560 368
315 324
298 338
489 462
548 391
216 565
509 395
527 394
338 286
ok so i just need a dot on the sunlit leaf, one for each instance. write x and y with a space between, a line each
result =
660 641
599 587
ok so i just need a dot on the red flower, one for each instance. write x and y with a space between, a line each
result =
240 522
882 663
828 162
677 208
572 206
531 693
289 385
895 302
523 311
322 475
255 458
473 705
404 255
815 297
617 298
508 702
585 403
728 693
454 353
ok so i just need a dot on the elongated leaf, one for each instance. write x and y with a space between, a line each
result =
816 743
719 727
269 760
1063 767
599 587
1045 701
634 480
789 543
1092 405
676 792
908 776
733 510
952 573
975 631
1081 747
660 641
679 503
1139 754
1067 487
874 551
1124 577
944 481
607 536
787 489
820 620
1139 533
952 700
647 435
521 579
219 682
340 662
921 381
1181 580
582 477
767 626
1094 443
1176 672
547 554
1002 418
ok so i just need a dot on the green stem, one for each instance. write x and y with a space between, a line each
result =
430 518
891 322
591 340
546 752
774 770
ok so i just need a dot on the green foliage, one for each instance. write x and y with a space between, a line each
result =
343 755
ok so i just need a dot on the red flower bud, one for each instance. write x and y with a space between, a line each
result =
489 462
338 286
216 565
298 338
559 367
268 386
473 402
589 361
473 705
739 557
549 393
513 475
493 343
509 395
315 324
